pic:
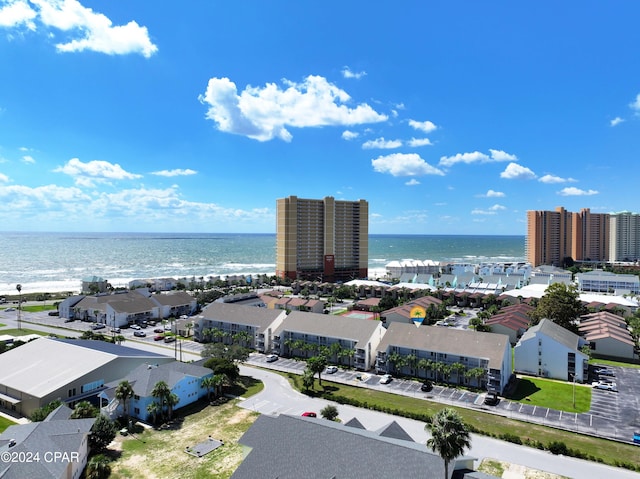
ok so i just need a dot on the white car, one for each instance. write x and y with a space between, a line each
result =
271 358
332 369
606 386
386 379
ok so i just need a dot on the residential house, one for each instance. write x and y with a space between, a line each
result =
551 351
357 338
286 447
299 304
183 379
404 345
403 313
511 320
174 304
71 370
607 335
221 321
60 443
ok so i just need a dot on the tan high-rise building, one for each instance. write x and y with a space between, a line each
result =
322 240
553 236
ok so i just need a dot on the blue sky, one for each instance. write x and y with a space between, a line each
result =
448 117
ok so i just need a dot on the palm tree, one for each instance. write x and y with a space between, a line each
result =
98 467
124 392
208 383
162 392
172 401
153 409
119 339
84 410
449 436
19 288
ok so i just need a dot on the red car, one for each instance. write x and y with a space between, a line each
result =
309 414
158 337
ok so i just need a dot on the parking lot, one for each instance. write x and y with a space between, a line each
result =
613 414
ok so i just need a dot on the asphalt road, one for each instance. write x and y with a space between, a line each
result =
278 398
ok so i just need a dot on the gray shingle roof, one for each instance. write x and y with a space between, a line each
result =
145 377
240 314
466 343
355 329
553 331
288 447
62 435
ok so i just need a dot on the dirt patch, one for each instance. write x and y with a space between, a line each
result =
505 470
160 453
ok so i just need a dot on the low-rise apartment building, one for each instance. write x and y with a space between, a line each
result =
350 340
407 350
255 326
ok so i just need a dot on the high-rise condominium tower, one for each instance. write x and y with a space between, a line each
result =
322 240
553 236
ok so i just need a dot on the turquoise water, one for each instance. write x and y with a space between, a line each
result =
59 261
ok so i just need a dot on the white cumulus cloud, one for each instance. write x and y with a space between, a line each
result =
175 172
28 159
92 30
416 142
616 121
347 73
404 164
17 13
552 179
264 113
381 143
4 178
96 171
635 105
514 171
424 126
412 182
573 191
494 194
350 135
477 157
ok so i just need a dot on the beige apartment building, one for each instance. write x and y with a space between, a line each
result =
553 236
322 240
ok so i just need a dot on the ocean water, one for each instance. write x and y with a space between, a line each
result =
58 261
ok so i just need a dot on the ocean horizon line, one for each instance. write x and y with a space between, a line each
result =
246 234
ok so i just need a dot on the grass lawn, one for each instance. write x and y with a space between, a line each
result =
161 452
35 308
23 332
609 362
604 450
5 423
2 325
553 394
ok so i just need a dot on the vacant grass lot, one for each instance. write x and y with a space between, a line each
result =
5 423
156 453
601 450
22 332
553 394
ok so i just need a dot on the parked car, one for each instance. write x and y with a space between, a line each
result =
98 326
491 399
140 334
426 386
332 369
136 327
54 313
115 330
605 372
169 339
606 386
158 330
158 337
271 358
386 379
8 310
309 414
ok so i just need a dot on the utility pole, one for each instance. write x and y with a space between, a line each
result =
19 288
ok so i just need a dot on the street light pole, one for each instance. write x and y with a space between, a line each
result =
19 288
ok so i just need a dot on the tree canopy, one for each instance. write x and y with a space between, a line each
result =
449 436
561 304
